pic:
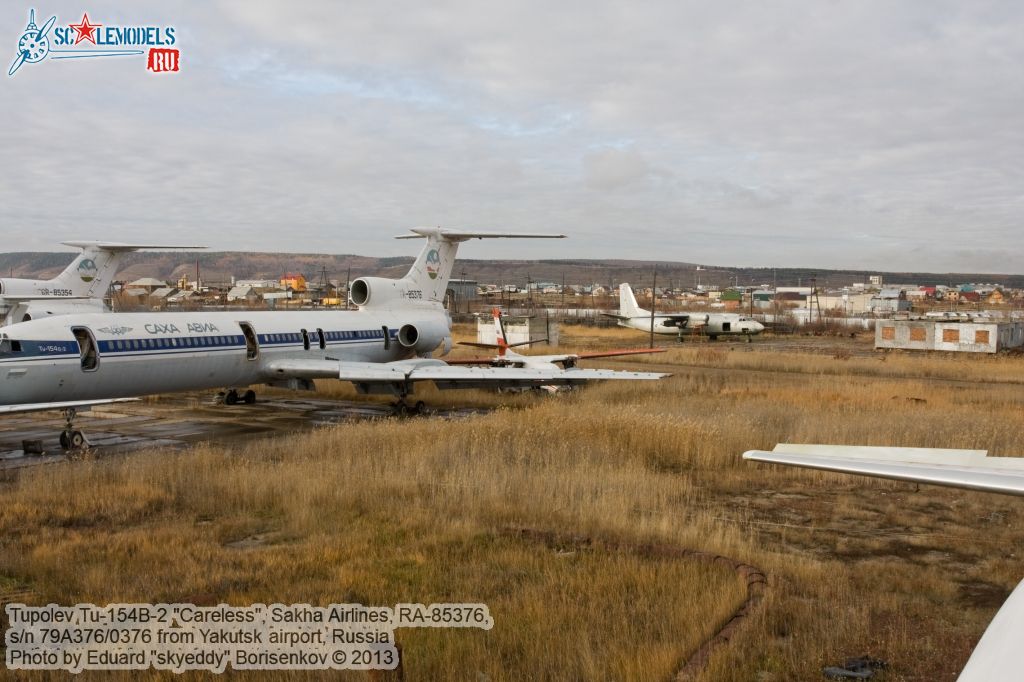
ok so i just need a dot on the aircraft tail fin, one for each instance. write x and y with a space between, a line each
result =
90 274
499 332
432 269
501 340
627 302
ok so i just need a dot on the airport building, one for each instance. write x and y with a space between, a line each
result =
978 336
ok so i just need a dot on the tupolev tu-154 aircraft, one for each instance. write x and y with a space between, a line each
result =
384 347
712 325
80 288
997 657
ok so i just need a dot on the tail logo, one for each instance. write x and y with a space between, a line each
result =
87 270
433 263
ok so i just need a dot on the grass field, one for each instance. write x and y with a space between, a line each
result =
424 510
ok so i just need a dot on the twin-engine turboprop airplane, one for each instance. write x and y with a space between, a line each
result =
81 288
383 347
711 325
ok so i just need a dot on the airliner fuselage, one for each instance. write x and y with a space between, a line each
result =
113 355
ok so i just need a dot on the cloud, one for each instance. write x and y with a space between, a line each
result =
860 135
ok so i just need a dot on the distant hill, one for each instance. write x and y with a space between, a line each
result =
220 266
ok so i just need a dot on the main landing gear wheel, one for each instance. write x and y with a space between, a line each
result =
403 409
232 397
72 439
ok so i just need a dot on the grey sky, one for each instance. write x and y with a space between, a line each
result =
867 135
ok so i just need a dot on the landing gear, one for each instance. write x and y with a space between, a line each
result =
232 397
400 408
72 438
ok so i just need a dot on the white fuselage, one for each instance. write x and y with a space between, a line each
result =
134 354
709 324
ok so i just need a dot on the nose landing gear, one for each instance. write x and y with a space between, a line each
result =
72 438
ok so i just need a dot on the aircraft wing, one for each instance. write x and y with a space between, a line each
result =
678 317
499 361
997 657
367 375
971 469
40 407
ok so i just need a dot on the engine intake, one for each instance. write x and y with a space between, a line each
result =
408 335
360 292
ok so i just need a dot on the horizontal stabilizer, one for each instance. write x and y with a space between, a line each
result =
615 353
474 344
119 247
463 235
970 469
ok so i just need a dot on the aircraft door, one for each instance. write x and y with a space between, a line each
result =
87 348
252 345
726 326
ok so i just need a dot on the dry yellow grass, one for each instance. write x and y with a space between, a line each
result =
389 510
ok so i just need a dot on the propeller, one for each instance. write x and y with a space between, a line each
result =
46 27
40 34
18 62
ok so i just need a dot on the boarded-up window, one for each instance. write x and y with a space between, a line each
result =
981 336
951 335
918 334
888 333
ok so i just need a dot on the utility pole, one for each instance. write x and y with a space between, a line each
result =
654 300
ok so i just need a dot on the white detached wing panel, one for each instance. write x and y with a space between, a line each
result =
970 469
998 656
